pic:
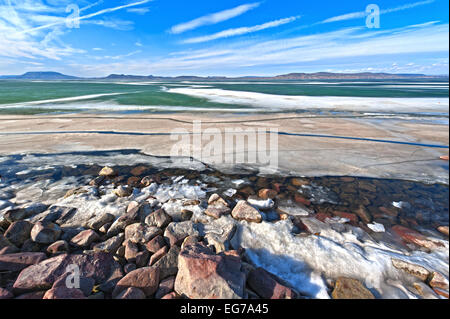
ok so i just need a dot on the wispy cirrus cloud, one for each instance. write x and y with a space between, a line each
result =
362 14
140 11
213 18
241 31
88 16
329 49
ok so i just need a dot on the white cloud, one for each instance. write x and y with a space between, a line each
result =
328 49
140 11
213 18
362 14
88 16
32 29
240 31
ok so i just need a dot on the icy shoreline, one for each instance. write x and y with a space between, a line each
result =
308 237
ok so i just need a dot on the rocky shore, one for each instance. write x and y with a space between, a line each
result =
135 233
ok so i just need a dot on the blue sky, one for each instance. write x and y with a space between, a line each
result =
231 38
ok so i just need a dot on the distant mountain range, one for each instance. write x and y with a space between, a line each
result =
49 76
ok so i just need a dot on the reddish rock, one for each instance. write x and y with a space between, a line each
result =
159 218
64 293
158 255
18 232
364 214
217 211
85 238
155 244
216 200
267 193
298 182
131 251
61 246
142 258
19 261
205 275
139 170
130 217
302 200
172 295
414 237
131 293
98 221
9 250
244 211
133 181
441 292
5 294
437 280
322 216
266 285
45 232
85 284
352 217
98 266
168 264
146 279
165 287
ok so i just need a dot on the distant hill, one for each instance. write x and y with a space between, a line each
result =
347 76
40 76
290 76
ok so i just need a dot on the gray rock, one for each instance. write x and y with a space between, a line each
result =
97 222
45 232
175 232
168 264
111 245
158 218
140 233
18 232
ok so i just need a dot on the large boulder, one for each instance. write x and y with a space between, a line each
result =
19 261
98 266
267 286
145 279
205 275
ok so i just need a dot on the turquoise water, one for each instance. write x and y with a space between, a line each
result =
35 97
